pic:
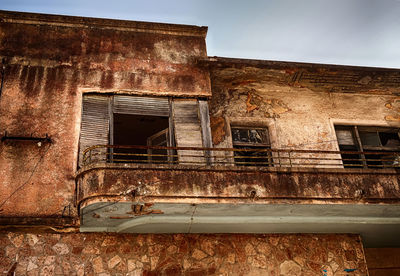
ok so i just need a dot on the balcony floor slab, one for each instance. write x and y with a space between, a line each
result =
378 224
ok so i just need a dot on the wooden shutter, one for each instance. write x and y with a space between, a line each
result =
188 130
135 105
205 128
205 124
95 125
345 137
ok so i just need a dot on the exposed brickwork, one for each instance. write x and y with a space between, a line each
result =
181 254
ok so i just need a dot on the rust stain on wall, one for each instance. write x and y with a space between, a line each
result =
143 209
235 186
218 129
252 104
394 106
49 63
104 56
395 118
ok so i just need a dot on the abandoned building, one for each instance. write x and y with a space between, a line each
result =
126 150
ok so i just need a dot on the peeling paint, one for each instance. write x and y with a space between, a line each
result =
143 209
218 128
253 104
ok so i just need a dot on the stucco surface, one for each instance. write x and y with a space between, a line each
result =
49 62
300 106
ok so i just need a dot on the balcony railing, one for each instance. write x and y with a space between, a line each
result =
250 157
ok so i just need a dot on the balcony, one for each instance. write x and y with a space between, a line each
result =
139 189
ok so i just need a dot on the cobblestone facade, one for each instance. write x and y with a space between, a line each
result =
181 254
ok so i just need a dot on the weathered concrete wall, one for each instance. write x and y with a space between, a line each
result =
301 104
49 62
275 186
53 53
93 254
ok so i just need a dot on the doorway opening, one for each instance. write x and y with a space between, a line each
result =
141 130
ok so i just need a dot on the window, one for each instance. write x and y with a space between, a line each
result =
250 142
368 139
140 130
131 123
141 121
125 121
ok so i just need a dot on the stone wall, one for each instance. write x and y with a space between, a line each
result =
181 254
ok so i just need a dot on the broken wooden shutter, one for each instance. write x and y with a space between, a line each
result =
205 128
205 124
188 131
345 136
95 126
135 105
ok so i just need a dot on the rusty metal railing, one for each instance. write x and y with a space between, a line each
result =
249 157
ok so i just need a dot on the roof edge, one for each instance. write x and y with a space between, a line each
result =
227 61
78 21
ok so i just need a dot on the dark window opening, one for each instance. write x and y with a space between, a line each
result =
389 139
346 139
248 139
368 139
126 122
140 130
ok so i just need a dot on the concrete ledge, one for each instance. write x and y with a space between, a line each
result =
78 21
149 183
377 224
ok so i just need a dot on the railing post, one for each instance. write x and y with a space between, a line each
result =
208 157
290 159
279 158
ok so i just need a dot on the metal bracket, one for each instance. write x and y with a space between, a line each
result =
26 138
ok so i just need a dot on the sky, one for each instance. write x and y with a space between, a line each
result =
347 32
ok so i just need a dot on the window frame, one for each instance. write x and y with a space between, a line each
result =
107 112
361 147
264 145
170 136
101 108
